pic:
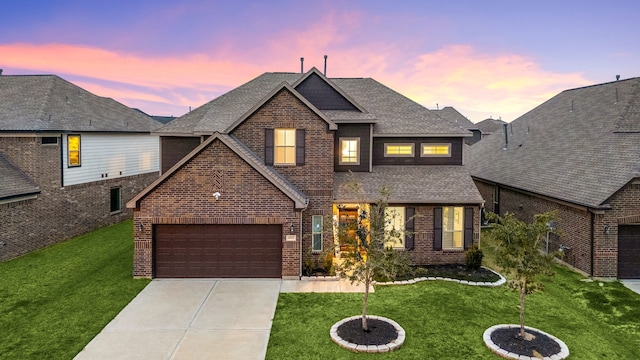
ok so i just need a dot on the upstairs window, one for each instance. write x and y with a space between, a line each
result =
349 151
73 151
436 150
285 146
398 150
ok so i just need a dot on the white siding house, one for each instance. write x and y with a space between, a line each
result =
109 155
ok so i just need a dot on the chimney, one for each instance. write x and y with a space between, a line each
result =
302 65
506 136
617 76
0 71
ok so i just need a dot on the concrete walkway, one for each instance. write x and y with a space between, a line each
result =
199 319
632 284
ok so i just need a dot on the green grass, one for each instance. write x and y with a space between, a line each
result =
444 320
54 301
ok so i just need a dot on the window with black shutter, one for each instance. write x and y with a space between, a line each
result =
437 228
409 228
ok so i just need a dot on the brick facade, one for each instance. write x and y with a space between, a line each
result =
57 213
423 252
315 177
575 224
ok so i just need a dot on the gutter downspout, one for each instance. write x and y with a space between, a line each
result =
592 242
300 262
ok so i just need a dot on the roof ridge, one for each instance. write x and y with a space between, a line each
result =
602 84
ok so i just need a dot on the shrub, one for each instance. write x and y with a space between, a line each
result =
474 258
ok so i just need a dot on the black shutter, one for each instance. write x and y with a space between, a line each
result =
409 228
268 146
468 227
437 228
300 147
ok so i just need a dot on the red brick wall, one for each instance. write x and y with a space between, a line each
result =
315 177
423 252
58 213
186 198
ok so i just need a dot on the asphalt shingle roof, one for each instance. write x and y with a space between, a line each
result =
446 184
50 103
452 115
392 113
14 182
580 146
488 126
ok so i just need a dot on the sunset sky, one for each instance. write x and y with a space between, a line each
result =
485 58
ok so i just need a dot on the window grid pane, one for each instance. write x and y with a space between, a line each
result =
398 150
349 151
285 146
436 149
452 227
73 144
316 231
394 226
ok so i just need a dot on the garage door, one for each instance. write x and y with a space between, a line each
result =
225 251
629 252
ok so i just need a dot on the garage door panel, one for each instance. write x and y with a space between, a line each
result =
629 251
218 250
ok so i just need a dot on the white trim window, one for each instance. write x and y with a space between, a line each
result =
399 149
435 150
349 151
452 228
316 233
73 150
394 226
285 146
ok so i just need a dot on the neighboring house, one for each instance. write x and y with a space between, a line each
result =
579 154
452 115
69 161
490 126
254 181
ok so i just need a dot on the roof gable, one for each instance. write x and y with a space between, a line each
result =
282 87
299 199
453 115
325 95
569 148
50 103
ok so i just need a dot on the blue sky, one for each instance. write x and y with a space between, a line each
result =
486 58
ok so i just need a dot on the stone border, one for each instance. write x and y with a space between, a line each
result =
563 354
500 281
393 345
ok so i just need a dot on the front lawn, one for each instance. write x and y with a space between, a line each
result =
54 301
446 320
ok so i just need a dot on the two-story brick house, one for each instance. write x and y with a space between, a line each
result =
252 179
69 161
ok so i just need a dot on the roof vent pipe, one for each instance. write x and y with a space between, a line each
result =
0 71
325 65
617 76
506 136
301 65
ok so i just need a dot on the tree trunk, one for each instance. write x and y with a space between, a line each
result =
365 327
523 294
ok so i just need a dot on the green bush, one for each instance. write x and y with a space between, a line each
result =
474 258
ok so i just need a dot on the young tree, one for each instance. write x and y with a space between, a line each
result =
519 251
365 255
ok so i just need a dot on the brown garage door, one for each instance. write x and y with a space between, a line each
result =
225 251
629 252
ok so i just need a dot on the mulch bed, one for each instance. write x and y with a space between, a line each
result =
453 271
380 332
541 346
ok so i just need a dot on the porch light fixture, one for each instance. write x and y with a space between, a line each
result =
291 228
141 227
606 229
216 195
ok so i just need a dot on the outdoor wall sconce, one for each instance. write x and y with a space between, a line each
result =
291 228
141 227
216 195
606 229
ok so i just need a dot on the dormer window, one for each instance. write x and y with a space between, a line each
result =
349 151
398 150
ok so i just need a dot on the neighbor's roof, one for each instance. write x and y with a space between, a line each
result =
300 200
580 146
13 182
452 115
438 184
50 103
392 113
488 126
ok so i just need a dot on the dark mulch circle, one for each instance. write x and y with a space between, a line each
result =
508 339
380 332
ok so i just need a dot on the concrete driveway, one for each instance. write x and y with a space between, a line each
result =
632 284
191 319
